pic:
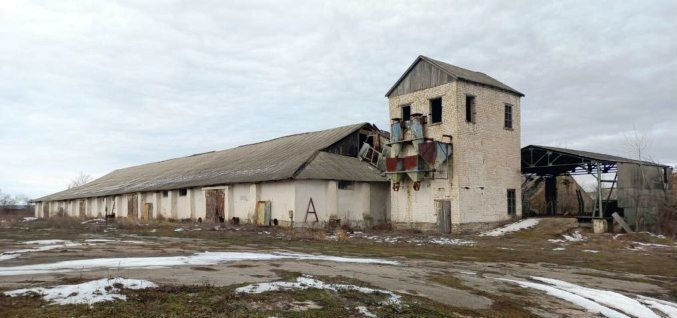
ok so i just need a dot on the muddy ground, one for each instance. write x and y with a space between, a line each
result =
436 276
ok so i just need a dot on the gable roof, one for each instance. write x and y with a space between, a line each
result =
458 73
297 156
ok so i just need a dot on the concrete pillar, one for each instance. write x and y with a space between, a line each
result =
191 202
332 200
173 197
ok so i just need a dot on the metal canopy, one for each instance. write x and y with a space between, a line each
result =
543 160
553 161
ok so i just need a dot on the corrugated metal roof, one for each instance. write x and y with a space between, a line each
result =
459 73
277 159
595 156
330 166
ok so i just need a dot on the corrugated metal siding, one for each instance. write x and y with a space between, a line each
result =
276 159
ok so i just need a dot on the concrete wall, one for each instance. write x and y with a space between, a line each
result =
240 201
281 196
484 165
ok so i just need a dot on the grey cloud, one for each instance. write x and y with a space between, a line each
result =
94 87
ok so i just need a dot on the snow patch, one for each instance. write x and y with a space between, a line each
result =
46 242
608 303
589 305
199 259
365 312
99 220
591 251
85 293
307 282
608 298
44 245
559 249
512 227
664 306
418 241
28 218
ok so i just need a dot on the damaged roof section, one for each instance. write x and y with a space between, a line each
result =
300 156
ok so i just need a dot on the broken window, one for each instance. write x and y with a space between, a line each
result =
165 194
436 110
470 109
346 185
183 192
406 112
508 117
511 202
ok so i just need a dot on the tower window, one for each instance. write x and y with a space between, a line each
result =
470 109
508 117
406 112
165 194
183 192
436 110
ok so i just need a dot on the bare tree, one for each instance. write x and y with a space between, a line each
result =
6 199
81 179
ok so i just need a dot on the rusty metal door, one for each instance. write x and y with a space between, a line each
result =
133 206
215 206
443 216
82 211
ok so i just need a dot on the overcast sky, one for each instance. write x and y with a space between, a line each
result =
96 86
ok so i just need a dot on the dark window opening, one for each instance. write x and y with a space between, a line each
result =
511 202
406 112
508 117
436 110
346 185
470 109
165 194
183 192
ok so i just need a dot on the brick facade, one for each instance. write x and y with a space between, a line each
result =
484 165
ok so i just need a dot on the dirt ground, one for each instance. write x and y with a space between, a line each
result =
435 276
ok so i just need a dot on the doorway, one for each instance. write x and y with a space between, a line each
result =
443 216
215 206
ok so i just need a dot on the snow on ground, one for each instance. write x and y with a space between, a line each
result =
365 312
664 306
306 282
411 240
4 256
85 293
591 251
512 227
199 259
589 305
608 303
43 245
28 218
99 220
46 242
640 246
604 297
573 237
